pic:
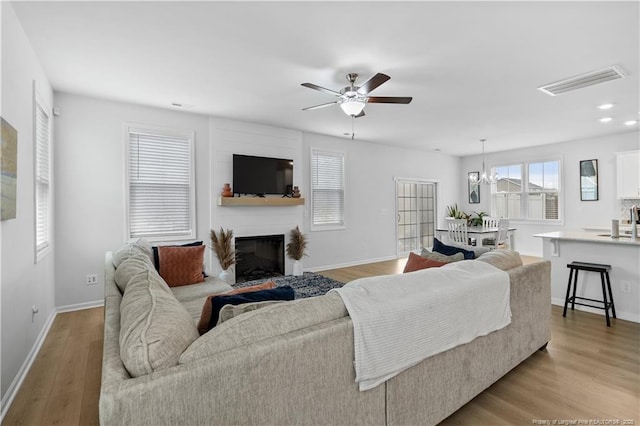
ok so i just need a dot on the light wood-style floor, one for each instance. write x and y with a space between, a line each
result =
589 374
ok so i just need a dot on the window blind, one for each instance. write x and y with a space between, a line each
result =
327 189
160 186
42 178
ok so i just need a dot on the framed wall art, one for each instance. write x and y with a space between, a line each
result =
474 187
589 180
8 170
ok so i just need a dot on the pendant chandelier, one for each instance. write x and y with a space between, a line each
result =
485 177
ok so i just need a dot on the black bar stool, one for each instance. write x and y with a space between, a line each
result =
604 273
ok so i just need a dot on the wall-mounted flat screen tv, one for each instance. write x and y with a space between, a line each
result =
262 175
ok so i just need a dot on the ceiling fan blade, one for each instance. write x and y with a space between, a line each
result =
321 89
372 83
389 99
319 106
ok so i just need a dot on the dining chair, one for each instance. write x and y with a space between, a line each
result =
502 238
458 230
490 222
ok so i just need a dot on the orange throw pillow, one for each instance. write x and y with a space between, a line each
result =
205 316
417 262
181 265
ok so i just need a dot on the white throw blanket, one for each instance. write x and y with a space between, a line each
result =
400 320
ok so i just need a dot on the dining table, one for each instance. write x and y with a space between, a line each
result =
480 233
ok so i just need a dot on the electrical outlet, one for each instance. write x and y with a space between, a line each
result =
626 287
92 279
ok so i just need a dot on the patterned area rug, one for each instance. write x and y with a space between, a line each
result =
307 285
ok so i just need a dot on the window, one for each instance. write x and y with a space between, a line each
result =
327 190
160 184
42 178
527 191
416 204
543 190
507 192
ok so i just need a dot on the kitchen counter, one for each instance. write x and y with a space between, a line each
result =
591 237
624 227
623 254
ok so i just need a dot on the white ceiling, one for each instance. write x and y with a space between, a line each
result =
471 67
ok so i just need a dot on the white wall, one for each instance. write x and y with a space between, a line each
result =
230 137
577 214
90 197
90 188
24 283
370 194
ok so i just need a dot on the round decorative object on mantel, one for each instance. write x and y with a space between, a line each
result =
226 190
296 192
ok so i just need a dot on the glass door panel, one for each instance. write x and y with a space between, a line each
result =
415 205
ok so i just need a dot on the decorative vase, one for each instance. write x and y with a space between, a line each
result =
226 190
225 276
296 192
297 268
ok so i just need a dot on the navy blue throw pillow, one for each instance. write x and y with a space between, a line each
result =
450 250
279 293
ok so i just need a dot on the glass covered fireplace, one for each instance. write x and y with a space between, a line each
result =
259 257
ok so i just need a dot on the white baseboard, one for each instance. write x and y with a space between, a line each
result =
347 264
12 391
627 316
80 306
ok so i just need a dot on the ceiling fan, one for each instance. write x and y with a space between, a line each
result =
352 98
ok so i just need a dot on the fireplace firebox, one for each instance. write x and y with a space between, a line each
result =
259 257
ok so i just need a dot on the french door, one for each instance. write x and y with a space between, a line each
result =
416 214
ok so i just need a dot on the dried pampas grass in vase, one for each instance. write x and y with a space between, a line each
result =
296 249
223 248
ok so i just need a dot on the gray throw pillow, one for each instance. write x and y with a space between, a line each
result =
439 257
231 311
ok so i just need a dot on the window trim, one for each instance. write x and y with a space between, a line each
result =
312 226
39 102
524 206
160 131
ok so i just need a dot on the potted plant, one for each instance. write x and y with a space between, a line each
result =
454 212
476 220
296 249
222 245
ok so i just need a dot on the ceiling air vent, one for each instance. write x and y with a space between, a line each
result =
582 80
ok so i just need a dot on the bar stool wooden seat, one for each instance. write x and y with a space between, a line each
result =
607 303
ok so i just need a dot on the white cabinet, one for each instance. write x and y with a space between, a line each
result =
628 183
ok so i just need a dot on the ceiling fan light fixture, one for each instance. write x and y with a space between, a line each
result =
352 107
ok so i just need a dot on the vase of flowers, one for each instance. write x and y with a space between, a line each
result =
296 249
222 245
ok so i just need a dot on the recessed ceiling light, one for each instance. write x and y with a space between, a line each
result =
605 106
605 119
630 122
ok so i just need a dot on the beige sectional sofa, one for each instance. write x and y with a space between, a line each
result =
292 362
